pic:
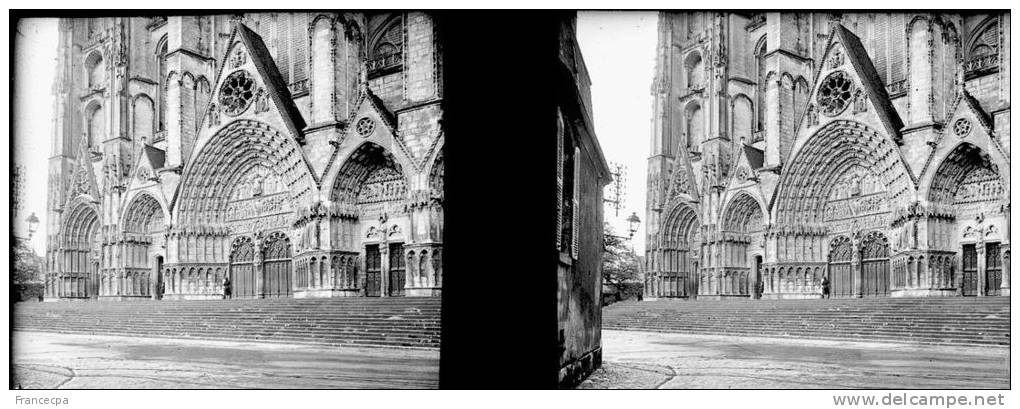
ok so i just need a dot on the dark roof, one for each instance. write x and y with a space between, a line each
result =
380 107
872 83
975 105
275 83
156 156
755 156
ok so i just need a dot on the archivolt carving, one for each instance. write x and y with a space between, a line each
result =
225 161
966 176
370 175
81 225
144 215
681 227
743 219
807 183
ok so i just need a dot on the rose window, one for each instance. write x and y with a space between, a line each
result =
237 93
835 93
961 127
365 126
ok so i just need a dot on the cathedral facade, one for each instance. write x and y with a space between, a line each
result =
866 151
277 154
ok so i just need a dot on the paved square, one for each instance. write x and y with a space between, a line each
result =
64 361
678 361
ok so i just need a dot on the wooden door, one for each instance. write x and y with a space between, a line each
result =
875 265
970 270
993 269
841 278
398 270
758 285
277 265
373 270
157 284
242 272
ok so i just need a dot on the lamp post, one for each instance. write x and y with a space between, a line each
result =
633 223
33 224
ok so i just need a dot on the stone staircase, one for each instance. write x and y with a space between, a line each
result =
975 321
363 322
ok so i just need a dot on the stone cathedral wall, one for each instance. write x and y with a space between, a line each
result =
868 151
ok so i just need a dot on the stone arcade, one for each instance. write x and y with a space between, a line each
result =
298 154
870 148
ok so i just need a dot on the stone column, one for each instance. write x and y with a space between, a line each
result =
384 269
260 281
979 248
1004 287
855 265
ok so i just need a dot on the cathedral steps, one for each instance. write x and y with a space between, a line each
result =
944 321
369 322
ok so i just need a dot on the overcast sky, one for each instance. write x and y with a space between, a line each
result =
618 48
35 67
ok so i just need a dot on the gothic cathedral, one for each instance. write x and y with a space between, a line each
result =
868 152
261 155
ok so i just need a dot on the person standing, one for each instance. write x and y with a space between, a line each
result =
226 287
825 286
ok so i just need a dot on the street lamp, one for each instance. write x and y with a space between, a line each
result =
634 222
33 224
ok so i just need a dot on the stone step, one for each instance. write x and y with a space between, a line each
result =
338 341
814 327
948 321
817 330
899 338
391 322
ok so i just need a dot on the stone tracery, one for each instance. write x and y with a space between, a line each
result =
229 187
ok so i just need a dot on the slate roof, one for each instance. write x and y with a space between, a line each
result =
870 81
275 84
755 156
156 156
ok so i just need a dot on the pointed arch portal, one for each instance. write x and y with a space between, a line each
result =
677 275
80 255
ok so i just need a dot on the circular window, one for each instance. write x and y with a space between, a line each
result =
237 92
835 93
365 126
961 127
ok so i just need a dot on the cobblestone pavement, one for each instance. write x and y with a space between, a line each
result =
644 360
64 361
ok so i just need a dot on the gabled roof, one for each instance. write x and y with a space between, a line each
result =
870 80
755 156
380 107
975 105
275 84
156 156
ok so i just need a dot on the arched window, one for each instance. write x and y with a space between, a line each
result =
759 56
141 121
389 40
695 127
985 40
384 50
162 72
742 118
96 124
95 70
695 71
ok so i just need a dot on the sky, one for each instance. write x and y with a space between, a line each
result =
35 68
619 51
618 48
